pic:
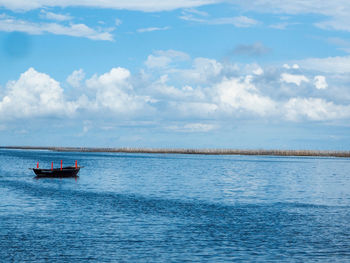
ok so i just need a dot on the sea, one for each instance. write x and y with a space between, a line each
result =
128 207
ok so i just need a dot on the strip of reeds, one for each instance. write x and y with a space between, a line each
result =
190 151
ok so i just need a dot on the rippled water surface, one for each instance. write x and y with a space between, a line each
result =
175 208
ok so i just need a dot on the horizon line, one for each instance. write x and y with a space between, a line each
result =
203 151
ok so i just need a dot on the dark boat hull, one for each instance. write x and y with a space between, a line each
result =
57 173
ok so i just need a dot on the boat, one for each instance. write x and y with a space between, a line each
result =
69 171
63 172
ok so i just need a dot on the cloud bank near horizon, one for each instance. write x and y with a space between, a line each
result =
164 90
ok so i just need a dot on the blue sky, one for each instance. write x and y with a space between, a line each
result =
226 74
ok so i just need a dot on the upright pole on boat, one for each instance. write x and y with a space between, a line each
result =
76 164
51 166
37 165
61 164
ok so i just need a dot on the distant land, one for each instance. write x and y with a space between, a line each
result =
323 153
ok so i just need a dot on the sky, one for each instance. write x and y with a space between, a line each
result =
261 74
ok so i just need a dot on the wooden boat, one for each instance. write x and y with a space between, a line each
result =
69 171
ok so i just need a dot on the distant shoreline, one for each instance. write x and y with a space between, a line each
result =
321 153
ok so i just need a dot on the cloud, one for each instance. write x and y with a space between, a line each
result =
35 94
328 8
193 127
335 13
162 90
157 61
75 78
283 25
223 97
139 5
328 65
87 125
341 43
320 82
294 66
236 95
258 71
53 16
237 21
151 29
335 18
203 70
118 22
296 79
315 109
246 69
163 58
115 92
338 23
192 93
195 11
74 30
209 91
194 109
256 49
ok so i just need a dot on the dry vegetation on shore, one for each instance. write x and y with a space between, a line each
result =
190 151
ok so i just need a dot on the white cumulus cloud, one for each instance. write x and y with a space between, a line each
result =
76 77
181 89
115 92
296 79
320 82
236 95
34 94
315 109
203 70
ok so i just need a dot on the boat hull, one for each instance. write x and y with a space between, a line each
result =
57 173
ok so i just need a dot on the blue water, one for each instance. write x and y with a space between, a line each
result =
175 208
